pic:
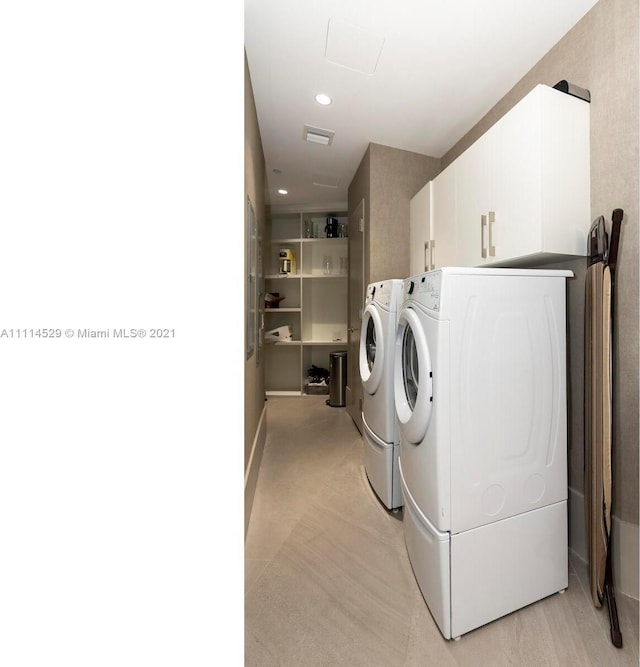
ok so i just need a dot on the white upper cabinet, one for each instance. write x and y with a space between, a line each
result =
521 191
443 219
433 225
422 242
472 198
515 221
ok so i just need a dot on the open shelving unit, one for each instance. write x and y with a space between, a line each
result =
315 303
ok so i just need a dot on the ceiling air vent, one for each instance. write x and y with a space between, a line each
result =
325 181
317 135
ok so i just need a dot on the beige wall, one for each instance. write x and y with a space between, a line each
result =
601 54
359 189
387 179
254 404
360 186
394 177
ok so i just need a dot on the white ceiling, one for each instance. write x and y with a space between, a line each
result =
410 74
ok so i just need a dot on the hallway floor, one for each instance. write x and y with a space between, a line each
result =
328 581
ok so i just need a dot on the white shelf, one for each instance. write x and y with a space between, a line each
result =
332 239
289 276
324 275
316 303
283 276
322 342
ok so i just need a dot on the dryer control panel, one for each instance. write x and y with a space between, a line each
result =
426 289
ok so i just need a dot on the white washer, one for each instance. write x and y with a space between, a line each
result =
480 395
381 434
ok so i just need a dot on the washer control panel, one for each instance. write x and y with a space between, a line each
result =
384 293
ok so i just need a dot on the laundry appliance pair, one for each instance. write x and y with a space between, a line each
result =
480 395
479 391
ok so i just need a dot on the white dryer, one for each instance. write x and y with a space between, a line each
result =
480 395
381 435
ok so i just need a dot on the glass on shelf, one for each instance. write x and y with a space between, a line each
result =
327 265
309 231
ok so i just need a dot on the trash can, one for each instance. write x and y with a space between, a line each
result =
337 379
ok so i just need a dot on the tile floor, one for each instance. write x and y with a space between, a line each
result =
328 581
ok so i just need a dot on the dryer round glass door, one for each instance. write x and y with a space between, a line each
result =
413 380
371 349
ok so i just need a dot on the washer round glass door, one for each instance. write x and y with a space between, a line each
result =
371 349
413 382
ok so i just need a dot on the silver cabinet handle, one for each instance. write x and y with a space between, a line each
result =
427 262
492 219
432 246
483 224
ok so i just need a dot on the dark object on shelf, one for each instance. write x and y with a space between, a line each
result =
331 228
599 405
273 299
318 381
337 379
318 375
568 88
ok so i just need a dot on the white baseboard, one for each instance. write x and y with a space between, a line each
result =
253 467
626 546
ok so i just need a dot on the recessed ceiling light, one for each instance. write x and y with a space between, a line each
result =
283 192
323 99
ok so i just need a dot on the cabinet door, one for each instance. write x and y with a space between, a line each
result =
515 205
472 187
566 197
420 231
443 219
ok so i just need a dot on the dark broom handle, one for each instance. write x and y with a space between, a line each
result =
612 607
610 597
614 239
616 635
